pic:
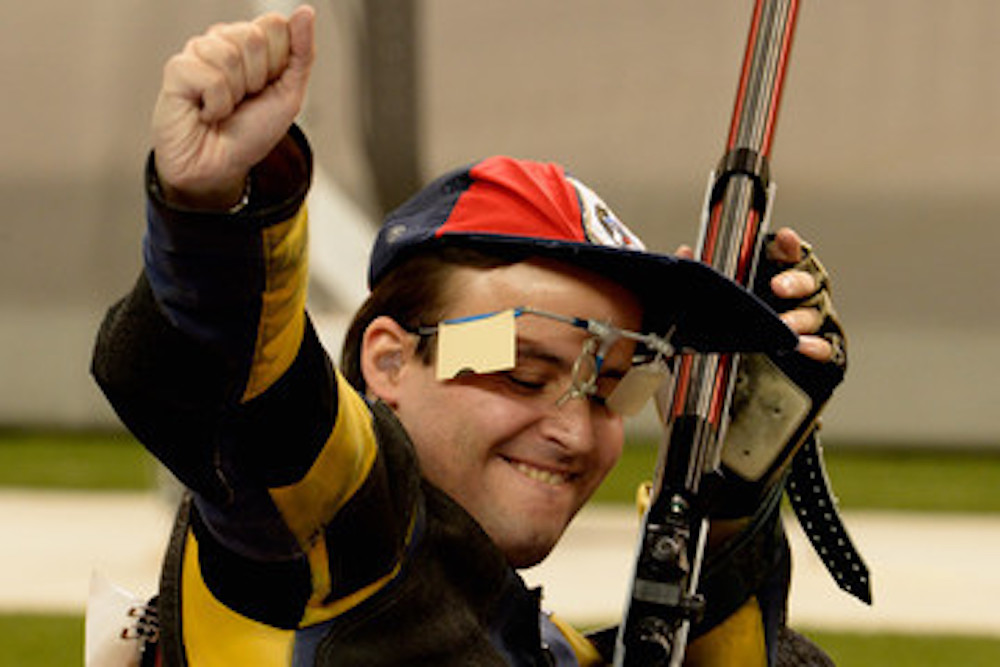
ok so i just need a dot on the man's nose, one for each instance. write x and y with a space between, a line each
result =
571 423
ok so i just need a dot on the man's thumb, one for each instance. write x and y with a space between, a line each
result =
302 41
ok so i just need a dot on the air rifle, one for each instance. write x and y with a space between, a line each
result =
664 600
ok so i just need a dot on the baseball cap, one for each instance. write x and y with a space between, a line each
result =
521 208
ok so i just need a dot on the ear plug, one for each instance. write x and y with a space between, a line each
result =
389 362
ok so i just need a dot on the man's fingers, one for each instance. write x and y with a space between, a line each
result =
816 348
785 247
197 85
228 88
276 48
248 56
803 320
231 63
794 284
274 29
801 285
225 46
255 58
301 33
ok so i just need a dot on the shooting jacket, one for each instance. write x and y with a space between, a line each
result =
307 535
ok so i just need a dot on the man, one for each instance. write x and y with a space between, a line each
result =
380 520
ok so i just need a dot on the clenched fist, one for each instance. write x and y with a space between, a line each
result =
226 100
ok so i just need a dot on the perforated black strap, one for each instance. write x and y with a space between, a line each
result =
809 491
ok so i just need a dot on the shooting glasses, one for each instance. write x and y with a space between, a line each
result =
487 342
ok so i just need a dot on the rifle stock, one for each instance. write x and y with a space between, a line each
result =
663 599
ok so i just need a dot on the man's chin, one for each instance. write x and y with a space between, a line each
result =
528 552
525 560
526 531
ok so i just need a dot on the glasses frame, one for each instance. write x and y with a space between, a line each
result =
603 335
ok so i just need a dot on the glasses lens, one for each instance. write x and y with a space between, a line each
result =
637 387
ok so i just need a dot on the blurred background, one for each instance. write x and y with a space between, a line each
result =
886 158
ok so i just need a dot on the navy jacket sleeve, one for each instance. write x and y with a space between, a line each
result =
211 361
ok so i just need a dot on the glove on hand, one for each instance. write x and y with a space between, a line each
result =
778 398
818 379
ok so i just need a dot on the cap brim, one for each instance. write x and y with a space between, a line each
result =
710 312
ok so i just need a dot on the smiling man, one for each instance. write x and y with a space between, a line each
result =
500 443
376 514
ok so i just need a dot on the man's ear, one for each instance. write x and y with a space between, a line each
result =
385 348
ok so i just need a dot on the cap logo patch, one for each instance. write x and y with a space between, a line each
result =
600 225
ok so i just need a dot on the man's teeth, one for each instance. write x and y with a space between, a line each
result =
539 475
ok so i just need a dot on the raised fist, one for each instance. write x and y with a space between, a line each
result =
226 100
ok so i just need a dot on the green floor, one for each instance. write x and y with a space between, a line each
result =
923 479
879 477
57 641
884 478
34 641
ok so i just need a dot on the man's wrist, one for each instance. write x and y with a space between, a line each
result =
231 198
244 198
274 188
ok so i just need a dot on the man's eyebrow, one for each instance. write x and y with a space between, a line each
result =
538 352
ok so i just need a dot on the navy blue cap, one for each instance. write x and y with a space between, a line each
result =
520 209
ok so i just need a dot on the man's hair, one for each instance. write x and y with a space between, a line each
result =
414 293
